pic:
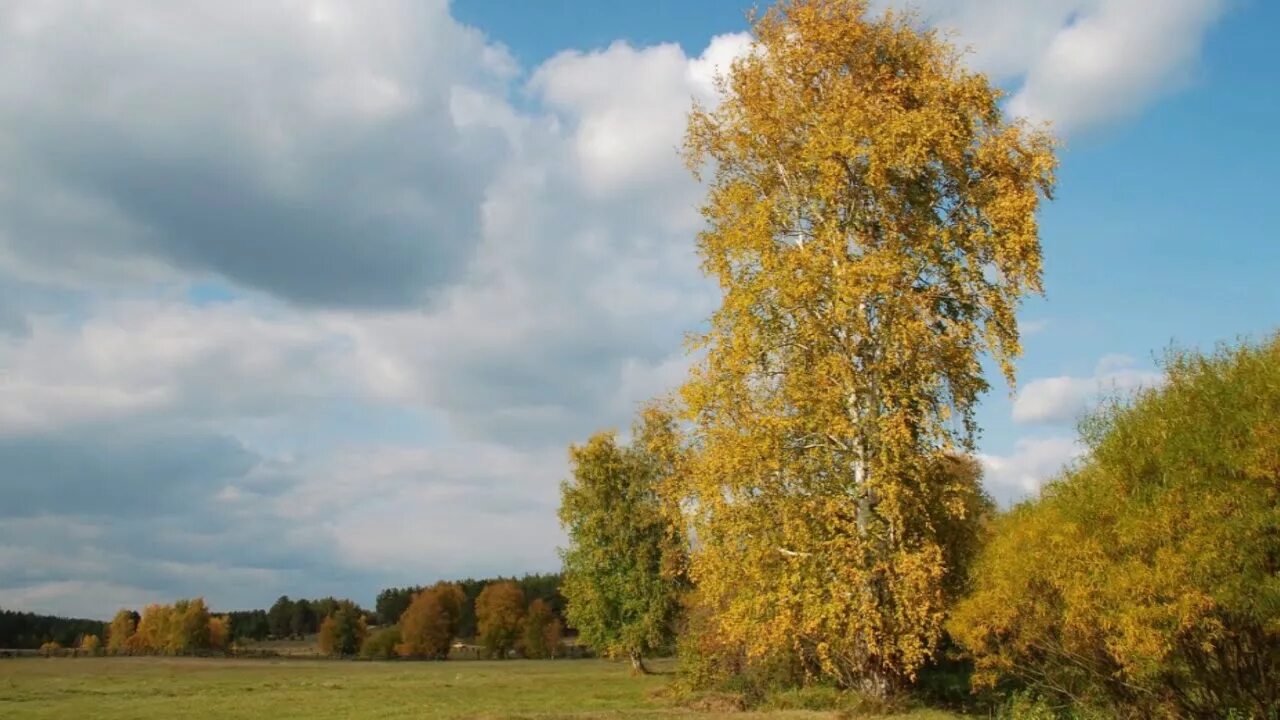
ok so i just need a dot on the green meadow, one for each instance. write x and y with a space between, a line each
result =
143 688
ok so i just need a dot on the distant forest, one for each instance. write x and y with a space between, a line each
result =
285 618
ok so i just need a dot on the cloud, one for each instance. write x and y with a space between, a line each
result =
115 473
307 150
1114 60
470 508
150 357
1077 63
585 279
1065 398
1033 461
348 523
75 598
627 106
422 289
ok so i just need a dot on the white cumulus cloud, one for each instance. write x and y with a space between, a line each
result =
1077 63
1032 462
1065 398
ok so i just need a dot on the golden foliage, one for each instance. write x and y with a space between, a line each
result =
219 632
1146 580
871 222
428 625
90 644
179 629
499 617
120 631
327 639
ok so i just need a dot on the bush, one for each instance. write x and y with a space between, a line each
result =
1027 706
1144 582
710 662
381 645
90 645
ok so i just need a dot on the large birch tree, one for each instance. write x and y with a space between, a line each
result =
871 222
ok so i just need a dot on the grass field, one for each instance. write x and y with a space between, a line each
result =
154 688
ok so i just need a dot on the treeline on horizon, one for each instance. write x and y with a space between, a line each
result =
286 618
28 631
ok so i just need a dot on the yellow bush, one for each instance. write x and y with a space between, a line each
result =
1146 580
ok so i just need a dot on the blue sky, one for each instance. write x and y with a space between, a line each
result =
310 297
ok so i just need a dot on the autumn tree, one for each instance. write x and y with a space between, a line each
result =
428 625
219 632
1144 581
871 222
499 614
90 644
191 627
453 600
157 630
540 637
121 630
624 567
343 632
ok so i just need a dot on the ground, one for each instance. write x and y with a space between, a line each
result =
153 688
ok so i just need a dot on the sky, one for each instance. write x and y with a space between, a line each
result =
309 297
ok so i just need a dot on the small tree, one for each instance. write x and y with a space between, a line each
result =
624 567
327 640
343 632
191 629
426 626
157 630
90 644
121 630
499 613
219 632
541 635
